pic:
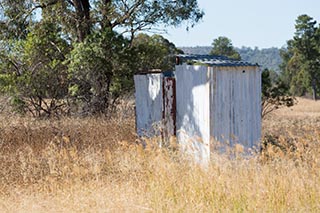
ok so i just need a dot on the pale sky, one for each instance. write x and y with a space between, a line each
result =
250 23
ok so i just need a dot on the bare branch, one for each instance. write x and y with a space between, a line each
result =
127 14
59 50
42 6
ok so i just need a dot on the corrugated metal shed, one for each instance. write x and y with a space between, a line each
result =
215 99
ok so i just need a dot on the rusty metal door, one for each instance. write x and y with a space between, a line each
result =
169 108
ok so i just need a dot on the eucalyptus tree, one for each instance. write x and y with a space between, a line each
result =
155 52
89 45
306 42
223 46
301 67
80 17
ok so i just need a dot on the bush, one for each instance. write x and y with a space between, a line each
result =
274 94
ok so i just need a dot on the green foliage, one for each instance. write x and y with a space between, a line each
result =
16 19
154 52
301 65
100 70
7 83
268 58
79 18
138 15
34 73
223 46
274 93
82 53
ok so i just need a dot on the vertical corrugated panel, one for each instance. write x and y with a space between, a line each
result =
250 108
235 105
169 109
226 78
193 115
258 120
213 103
148 94
244 106
238 110
253 108
221 114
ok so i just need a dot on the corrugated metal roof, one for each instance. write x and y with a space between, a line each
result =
212 60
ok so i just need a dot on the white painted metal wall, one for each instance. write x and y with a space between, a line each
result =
235 100
193 114
148 94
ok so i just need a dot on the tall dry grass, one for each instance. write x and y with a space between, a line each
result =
97 165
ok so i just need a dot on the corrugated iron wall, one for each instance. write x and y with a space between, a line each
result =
235 95
148 94
193 114
212 102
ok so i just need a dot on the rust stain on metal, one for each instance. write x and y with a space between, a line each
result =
177 60
169 107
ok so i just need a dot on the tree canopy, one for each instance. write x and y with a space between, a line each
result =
58 55
155 52
223 46
78 18
301 58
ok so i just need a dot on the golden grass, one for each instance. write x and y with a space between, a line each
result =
97 165
303 108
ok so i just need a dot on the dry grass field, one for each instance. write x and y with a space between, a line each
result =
97 165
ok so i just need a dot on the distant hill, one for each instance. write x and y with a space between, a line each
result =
266 58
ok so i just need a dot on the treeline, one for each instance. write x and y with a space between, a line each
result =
267 58
301 59
79 56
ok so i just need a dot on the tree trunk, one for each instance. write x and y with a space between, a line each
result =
314 90
83 18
